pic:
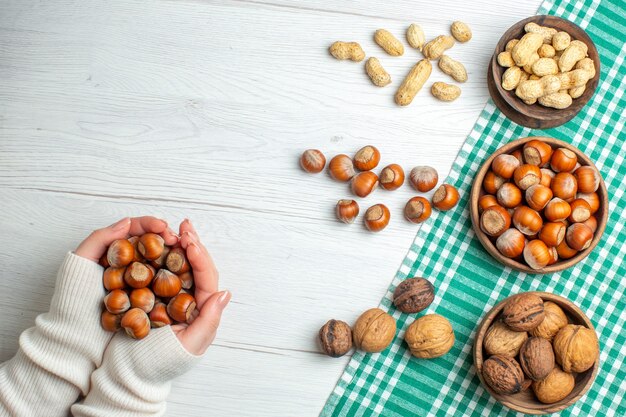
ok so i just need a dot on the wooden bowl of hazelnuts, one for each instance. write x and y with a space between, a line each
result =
556 61
539 205
536 353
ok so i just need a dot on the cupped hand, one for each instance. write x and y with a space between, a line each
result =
96 244
198 336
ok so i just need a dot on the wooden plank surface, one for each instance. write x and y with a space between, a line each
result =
200 109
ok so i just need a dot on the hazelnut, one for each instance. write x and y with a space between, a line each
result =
592 198
158 316
377 217
503 374
138 275
186 280
486 201
413 295
538 196
492 183
160 261
500 340
527 220
495 220
136 323
527 175
424 178
335 338
581 211
576 348
417 210
578 236
117 301
181 306
341 168
391 177
347 210
113 278
546 177
446 197
176 261
536 358
537 153
151 245
564 251
120 253
563 160
509 195
504 165
367 158
110 322
564 186
166 284
588 179
374 330
313 161
142 298
555 387
552 234
511 243
523 312
364 183
557 210
537 255
430 336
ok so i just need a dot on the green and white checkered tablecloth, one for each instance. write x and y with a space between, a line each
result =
469 282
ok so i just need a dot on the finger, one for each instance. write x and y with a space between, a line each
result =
96 244
205 274
187 226
199 335
149 224
187 238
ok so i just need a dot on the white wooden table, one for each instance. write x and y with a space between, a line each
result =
200 109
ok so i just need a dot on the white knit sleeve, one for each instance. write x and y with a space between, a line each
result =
135 376
56 357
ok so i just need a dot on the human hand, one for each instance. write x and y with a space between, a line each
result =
197 336
96 244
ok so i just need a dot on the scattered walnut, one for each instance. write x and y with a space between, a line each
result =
576 348
523 312
430 336
536 358
553 322
413 295
374 330
336 338
555 387
500 340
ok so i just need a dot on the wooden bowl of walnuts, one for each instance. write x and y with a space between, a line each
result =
543 83
536 353
539 205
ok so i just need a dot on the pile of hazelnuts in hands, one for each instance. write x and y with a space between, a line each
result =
548 198
358 171
149 284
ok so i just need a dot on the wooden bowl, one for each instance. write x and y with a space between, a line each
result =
602 214
537 116
525 401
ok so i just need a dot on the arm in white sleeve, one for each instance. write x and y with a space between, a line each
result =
135 376
53 365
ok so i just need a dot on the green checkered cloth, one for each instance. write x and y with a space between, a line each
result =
469 282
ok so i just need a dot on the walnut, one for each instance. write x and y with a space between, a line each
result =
413 295
553 322
555 387
336 338
576 348
500 340
503 374
374 330
523 312
536 358
430 336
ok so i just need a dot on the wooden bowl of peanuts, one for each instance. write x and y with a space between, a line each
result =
543 71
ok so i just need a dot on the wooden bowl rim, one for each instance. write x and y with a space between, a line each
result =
602 214
478 351
552 117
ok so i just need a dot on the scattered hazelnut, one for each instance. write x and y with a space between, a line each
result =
413 295
367 158
347 211
341 168
503 374
313 161
391 177
377 217
523 312
364 183
555 387
335 338
445 198
417 210
500 340
430 336
576 348
423 178
374 330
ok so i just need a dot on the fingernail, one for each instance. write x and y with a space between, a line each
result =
224 299
186 220
119 225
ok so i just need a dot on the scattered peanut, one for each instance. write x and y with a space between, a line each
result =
576 51
415 37
435 48
511 78
546 51
376 72
532 89
453 68
560 41
445 92
413 82
545 66
546 32
461 31
388 42
556 100
505 59
524 50
347 50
